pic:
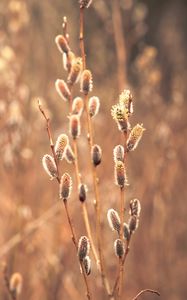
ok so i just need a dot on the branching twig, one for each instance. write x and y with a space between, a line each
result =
146 291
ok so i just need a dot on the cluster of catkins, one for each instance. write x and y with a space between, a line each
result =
128 228
121 113
62 148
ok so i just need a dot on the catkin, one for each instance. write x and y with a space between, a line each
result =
119 248
96 155
62 44
49 165
134 137
83 247
113 220
93 106
60 146
16 282
86 82
65 186
63 90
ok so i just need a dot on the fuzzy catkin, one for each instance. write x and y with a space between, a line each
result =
93 106
69 155
96 155
65 186
85 3
113 220
15 284
119 248
83 247
118 153
74 126
77 106
120 174
60 146
82 192
135 207
87 265
86 82
126 231
134 137
75 71
49 165
63 90
62 44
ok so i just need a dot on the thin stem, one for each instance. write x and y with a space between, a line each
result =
84 208
94 173
146 291
74 239
81 38
123 262
122 209
48 128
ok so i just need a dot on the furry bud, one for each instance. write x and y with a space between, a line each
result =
49 165
83 247
120 174
126 231
82 192
60 146
63 90
93 106
120 115
77 106
86 82
113 220
135 208
133 223
126 99
74 126
118 153
134 137
96 155
75 71
87 265
62 44
69 155
119 248
67 59
65 186
15 285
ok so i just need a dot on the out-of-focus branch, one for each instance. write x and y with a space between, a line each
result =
120 44
146 291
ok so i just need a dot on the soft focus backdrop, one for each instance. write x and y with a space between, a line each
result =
145 51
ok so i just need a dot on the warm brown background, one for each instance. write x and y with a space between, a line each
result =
154 35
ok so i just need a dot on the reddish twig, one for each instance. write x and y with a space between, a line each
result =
146 291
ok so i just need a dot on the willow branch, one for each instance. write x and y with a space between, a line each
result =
146 291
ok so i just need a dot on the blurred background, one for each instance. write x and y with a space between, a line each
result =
139 45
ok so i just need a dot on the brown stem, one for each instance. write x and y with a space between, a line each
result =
74 239
94 173
48 128
146 291
123 262
120 44
81 38
122 209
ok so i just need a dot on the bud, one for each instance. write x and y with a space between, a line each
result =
87 265
63 90
119 248
120 115
69 155
62 44
77 106
83 247
15 285
93 106
96 155
118 153
85 3
126 99
113 220
135 208
82 192
134 137
60 146
49 165
126 231
65 186
75 126
67 59
120 174
86 82
75 71
133 223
